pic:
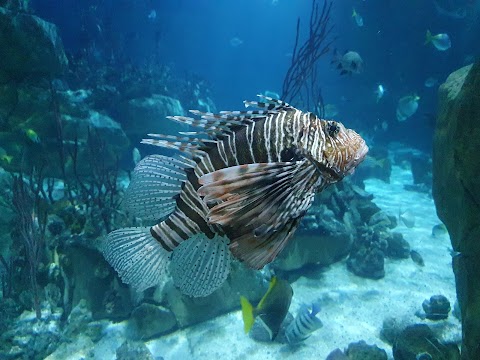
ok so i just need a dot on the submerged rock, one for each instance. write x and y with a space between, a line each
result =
381 221
398 247
422 170
419 339
81 348
337 354
32 137
30 47
367 258
368 263
131 350
331 228
362 351
392 327
148 321
358 351
437 308
456 182
322 240
30 338
148 114
189 310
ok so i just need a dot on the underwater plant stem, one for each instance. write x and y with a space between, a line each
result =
7 277
67 300
60 141
33 282
300 81
29 232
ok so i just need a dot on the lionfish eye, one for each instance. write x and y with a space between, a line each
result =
332 128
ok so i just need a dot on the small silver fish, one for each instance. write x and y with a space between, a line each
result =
407 218
358 18
384 126
417 258
379 92
304 324
440 41
439 230
407 106
152 15
349 63
431 82
235 42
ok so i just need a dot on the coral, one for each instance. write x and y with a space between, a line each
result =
32 338
367 256
32 231
358 351
437 308
419 338
361 351
131 350
367 263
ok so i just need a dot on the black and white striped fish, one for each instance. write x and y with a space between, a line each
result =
239 187
304 324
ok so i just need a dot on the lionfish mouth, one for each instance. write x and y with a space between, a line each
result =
352 164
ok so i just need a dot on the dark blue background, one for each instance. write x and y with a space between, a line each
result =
194 37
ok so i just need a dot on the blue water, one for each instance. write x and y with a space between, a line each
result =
194 37
228 51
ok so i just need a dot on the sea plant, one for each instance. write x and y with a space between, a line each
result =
301 80
32 224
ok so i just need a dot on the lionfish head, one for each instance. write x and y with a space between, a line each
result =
344 149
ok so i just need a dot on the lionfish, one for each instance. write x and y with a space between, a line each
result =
238 189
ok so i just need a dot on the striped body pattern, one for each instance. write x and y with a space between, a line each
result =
304 324
246 178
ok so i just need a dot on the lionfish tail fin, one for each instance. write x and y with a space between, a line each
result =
155 182
200 265
136 256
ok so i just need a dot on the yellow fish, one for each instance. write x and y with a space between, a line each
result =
272 308
32 135
6 158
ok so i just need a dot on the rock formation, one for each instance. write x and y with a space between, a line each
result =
456 180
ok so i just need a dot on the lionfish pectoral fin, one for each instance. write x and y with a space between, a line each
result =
259 202
200 265
261 196
136 256
256 252
156 180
